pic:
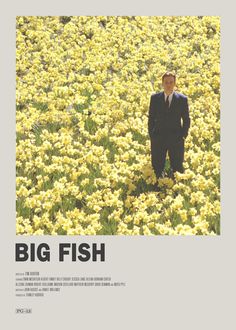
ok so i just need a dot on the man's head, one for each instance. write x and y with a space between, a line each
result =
168 82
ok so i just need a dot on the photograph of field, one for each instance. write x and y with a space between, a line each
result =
83 88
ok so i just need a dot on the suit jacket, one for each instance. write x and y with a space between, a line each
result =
169 124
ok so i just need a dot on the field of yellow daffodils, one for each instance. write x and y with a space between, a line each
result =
83 88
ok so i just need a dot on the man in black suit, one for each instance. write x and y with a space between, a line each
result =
168 126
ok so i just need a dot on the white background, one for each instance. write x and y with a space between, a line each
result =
172 282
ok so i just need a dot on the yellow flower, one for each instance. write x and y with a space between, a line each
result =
82 125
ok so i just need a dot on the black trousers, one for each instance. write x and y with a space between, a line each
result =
159 149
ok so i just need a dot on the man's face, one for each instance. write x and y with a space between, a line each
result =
168 84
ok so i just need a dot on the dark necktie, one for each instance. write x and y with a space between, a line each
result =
167 102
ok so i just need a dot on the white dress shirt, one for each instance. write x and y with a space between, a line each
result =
170 97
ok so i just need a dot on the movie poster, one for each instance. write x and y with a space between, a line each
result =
115 180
